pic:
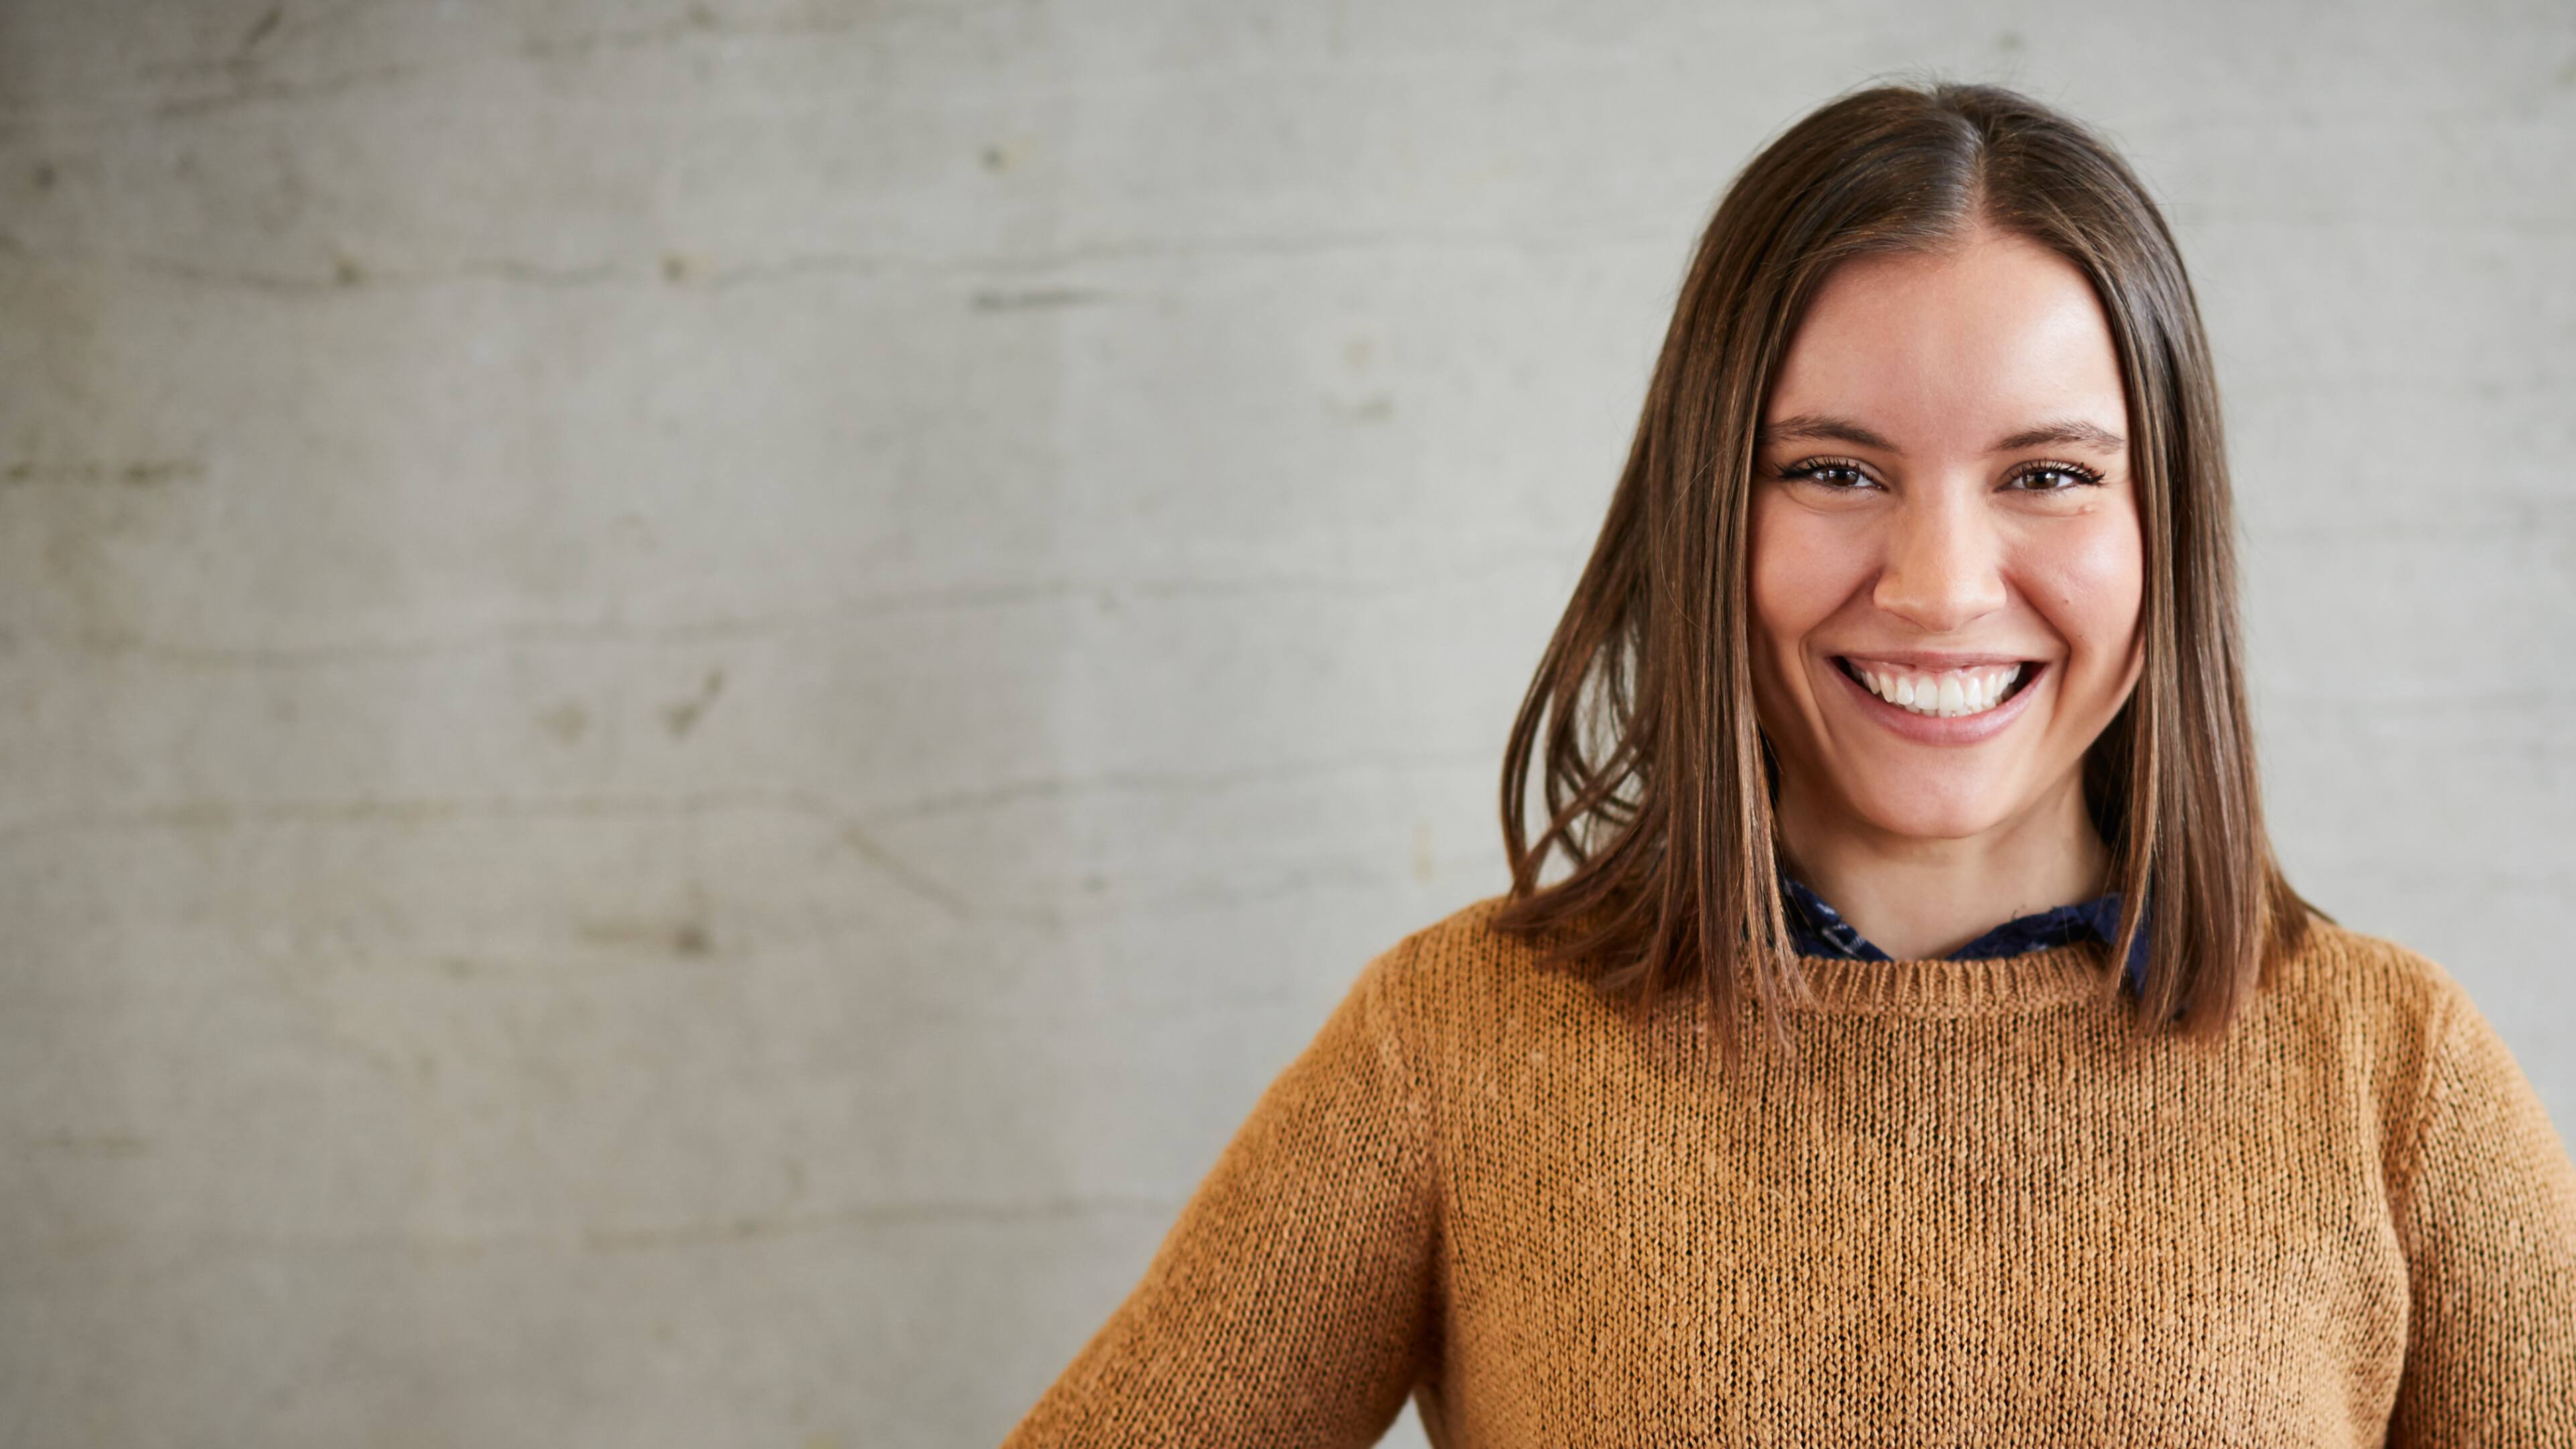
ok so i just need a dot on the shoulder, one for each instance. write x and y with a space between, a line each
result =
2364 983
1462 968
2349 1010
1460 952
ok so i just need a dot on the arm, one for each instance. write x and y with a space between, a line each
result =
2488 1219
1291 1304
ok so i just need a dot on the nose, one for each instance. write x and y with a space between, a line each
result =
1944 565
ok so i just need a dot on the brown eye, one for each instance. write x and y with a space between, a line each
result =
2055 478
1839 474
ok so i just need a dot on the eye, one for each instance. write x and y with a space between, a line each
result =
2046 477
1842 475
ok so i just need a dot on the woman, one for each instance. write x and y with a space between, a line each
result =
1915 598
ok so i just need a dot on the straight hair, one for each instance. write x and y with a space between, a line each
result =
1655 776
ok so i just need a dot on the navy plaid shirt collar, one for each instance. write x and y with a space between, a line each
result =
1817 929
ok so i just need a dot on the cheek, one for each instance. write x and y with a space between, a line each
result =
1803 568
2090 580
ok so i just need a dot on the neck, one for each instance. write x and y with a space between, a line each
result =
1917 897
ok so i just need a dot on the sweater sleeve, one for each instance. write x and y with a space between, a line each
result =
1291 1303
2488 1220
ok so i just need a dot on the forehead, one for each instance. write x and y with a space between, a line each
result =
1954 348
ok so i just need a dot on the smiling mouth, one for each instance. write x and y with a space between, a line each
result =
1943 693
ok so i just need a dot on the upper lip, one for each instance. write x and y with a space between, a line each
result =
1935 660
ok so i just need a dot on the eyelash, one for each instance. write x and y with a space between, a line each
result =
1809 469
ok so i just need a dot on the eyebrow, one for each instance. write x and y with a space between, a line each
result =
2069 430
1828 428
1821 428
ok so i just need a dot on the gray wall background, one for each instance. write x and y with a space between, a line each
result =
693 694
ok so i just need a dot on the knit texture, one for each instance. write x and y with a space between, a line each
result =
1976 1209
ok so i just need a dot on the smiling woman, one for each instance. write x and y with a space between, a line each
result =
1945 619
1935 414
1900 701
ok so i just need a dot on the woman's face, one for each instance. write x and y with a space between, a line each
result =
1946 558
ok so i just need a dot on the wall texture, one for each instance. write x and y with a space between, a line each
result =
693 694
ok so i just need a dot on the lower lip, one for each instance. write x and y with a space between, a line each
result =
1966 729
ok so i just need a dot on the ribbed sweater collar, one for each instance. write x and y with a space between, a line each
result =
2048 977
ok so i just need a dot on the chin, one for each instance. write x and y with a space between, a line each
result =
1915 810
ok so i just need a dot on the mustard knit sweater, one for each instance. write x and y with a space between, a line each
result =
1976 1210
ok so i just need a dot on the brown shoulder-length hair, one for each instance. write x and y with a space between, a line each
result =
1657 781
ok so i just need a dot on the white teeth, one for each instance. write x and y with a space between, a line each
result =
1947 695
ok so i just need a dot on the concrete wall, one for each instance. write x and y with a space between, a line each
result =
692 694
